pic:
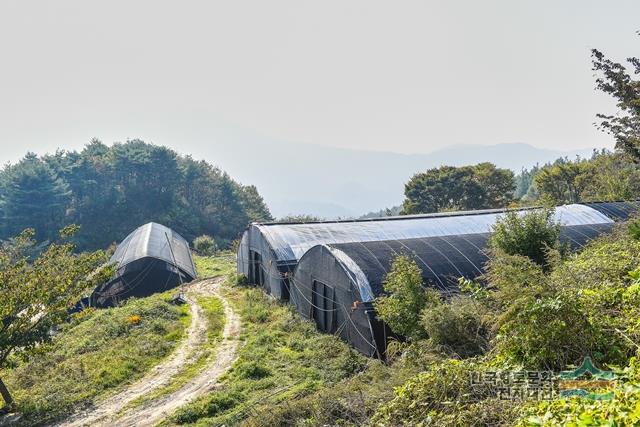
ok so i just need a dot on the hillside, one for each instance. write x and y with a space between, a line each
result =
110 190
95 354
285 372
147 361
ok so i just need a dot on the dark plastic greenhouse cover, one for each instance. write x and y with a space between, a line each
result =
442 259
619 211
155 241
290 241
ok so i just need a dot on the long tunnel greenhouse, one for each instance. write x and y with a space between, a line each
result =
332 271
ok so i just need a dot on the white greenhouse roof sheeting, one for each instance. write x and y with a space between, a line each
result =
155 241
291 241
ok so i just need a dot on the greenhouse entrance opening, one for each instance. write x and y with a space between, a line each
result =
323 306
256 275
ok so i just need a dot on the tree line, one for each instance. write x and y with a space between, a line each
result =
109 191
605 176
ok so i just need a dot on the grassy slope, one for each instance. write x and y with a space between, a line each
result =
287 372
95 354
283 358
221 265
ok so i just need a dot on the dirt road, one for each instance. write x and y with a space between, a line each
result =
107 411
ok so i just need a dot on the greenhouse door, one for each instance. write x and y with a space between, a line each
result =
256 275
323 306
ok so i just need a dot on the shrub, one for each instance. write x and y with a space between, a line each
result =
252 370
459 326
442 389
621 410
239 279
205 245
531 234
547 333
634 229
603 262
209 407
587 305
514 279
405 299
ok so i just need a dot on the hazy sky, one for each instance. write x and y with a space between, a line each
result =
406 76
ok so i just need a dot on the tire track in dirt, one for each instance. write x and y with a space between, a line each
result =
107 411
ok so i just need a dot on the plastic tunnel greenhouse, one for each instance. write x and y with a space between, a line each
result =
268 253
332 271
335 284
151 259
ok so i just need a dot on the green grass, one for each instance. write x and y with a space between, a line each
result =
214 311
94 355
283 358
222 264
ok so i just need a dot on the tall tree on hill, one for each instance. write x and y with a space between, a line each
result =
226 208
561 183
254 204
615 79
525 185
90 178
35 197
148 180
450 188
497 184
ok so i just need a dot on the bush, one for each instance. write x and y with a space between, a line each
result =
442 389
210 407
239 279
252 370
531 234
405 299
459 327
634 229
604 262
588 305
621 410
445 396
548 333
205 245
515 279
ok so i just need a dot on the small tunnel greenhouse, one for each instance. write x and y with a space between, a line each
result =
151 259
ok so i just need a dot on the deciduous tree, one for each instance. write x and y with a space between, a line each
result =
37 293
615 80
450 188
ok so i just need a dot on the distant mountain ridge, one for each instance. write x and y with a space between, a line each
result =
336 182
512 156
